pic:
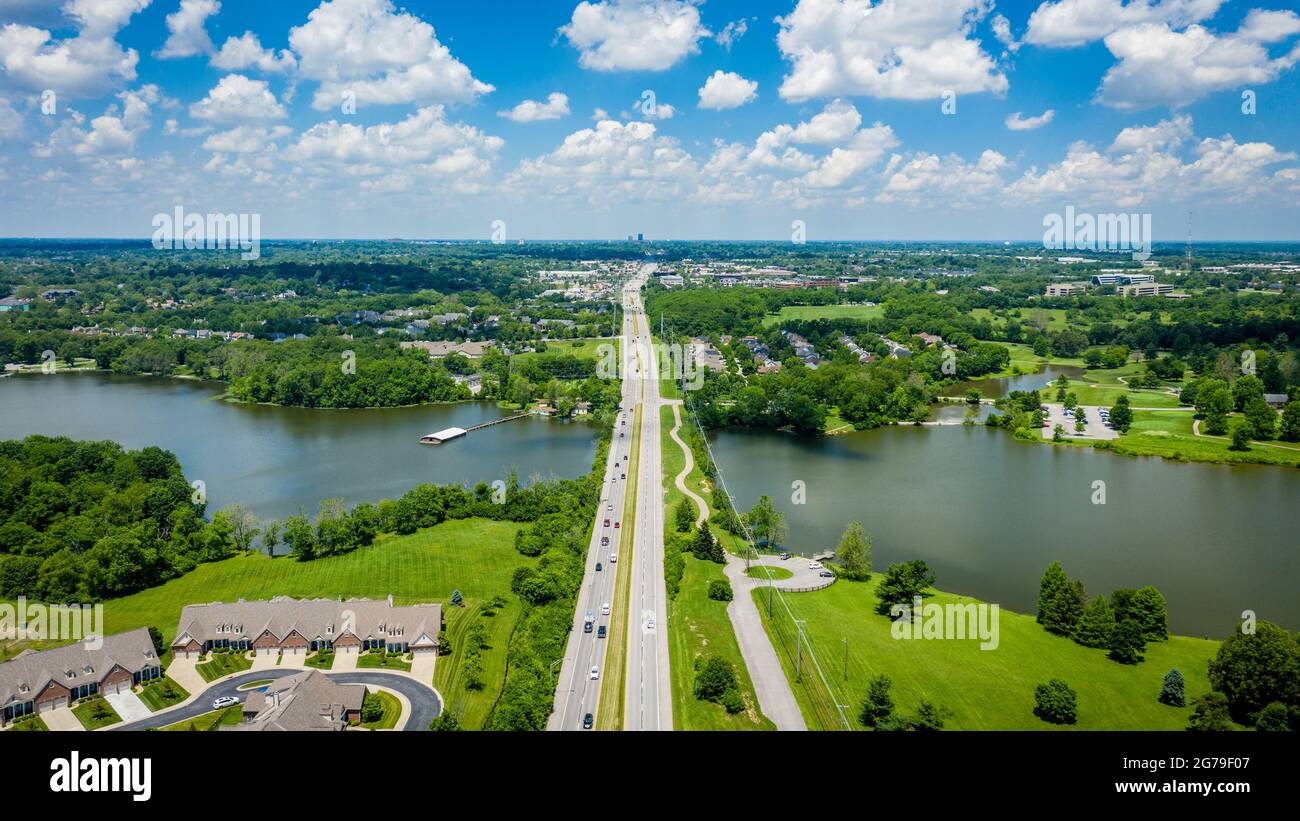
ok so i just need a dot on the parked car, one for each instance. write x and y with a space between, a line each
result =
785 556
826 574
622 476
588 721
595 672
224 701
814 565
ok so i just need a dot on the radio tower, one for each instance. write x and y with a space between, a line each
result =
1189 240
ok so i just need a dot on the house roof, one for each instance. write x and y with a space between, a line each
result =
302 702
73 665
313 619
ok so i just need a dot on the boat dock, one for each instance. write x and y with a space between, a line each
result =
447 434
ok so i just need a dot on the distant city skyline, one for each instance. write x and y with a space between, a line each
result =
871 120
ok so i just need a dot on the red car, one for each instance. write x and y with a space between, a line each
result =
615 524
607 523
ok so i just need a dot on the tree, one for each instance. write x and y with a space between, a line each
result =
902 583
767 523
1246 388
706 546
929 716
1240 437
1213 401
1121 416
1053 580
271 536
1260 418
878 703
1096 623
1126 642
1273 718
456 598
1055 702
972 397
854 553
1079 425
684 515
1147 607
1210 714
243 526
1290 431
372 708
444 722
1172 692
298 535
1064 611
1255 669
714 678
156 638
1058 434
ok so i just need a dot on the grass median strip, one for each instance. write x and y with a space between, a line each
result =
609 715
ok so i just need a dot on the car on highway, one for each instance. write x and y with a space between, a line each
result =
622 476
814 565
620 434
586 627
600 632
607 523
604 542
604 610
595 672
613 557
588 721
650 624
599 567
224 701
616 525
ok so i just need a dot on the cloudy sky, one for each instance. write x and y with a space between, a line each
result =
866 119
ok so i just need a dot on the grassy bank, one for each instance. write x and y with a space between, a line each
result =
988 689
697 625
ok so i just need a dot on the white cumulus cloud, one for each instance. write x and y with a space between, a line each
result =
246 51
727 89
238 99
86 65
531 111
1016 122
629 35
187 36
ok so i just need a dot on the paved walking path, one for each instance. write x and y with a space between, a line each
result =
771 687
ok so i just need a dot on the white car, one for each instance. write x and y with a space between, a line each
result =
609 507
650 624
224 701
814 565
595 672
604 611
613 558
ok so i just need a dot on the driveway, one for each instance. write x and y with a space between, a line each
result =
128 706
425 704
265 661
62 720
182 671
421 667
804 576
345 662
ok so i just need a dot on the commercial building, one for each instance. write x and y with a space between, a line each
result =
1146 289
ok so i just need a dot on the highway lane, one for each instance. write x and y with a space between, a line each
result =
648 702
425 705
577 694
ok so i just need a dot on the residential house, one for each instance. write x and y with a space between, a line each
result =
437 350
35 681
303 702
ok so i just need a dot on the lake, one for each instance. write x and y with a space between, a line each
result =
277 461
988 513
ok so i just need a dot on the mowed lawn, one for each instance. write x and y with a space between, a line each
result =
824 312
472 706
1169 434
476 556
991 689
697 625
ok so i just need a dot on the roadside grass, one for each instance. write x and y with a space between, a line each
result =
228 716
476 556
96 712
609 710
222 664
161 694
987 689
581 348
473 706
698 626
392 712
382 661
810 312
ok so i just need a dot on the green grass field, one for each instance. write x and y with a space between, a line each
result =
823 312
96 713
1168 434
581 348
472 706
162 693
767 571
222 664
988 689
697 625
208 721
382 661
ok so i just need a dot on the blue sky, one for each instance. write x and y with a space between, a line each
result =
827 111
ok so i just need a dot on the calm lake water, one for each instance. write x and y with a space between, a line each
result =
276 461
998 388
988 513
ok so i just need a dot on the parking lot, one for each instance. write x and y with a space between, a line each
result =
1095 428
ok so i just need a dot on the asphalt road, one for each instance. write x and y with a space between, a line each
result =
577 694
648 702
425 705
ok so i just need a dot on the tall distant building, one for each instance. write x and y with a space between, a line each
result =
640 237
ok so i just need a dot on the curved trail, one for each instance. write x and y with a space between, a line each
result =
771 687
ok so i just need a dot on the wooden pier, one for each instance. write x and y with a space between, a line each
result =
448 434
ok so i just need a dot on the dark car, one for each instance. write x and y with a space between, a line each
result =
604 540
588 721
586 627
599 567
622 476
600 632
826 574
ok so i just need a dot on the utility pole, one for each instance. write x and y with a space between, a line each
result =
798 640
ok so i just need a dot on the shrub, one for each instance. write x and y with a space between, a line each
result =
732 702
878 704
1210 714
714 678
720 590
372 708
1055 702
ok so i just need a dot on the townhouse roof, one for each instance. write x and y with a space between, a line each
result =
303 702
415 625
27 674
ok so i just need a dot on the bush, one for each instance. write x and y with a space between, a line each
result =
1172 692
714 678
720 590
372 708
878 704
445 722
732 702
1210 714
1055 702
